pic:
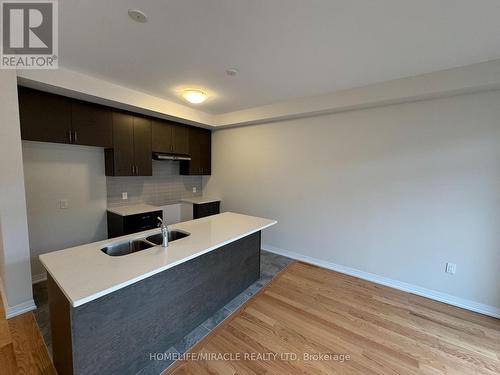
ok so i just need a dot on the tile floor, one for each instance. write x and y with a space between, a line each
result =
271 264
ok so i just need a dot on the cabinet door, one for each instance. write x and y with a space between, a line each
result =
161 136
44 117
91 124
192 167
205 209
141 222
200 150
123 144
205 142
180 143
169 137
142 147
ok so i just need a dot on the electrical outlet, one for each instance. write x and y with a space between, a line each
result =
124 195
63 204
451 268
194 189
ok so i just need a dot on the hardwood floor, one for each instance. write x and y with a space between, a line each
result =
308 310
22 350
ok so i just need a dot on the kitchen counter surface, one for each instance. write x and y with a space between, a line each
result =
134 209
84 273
200 200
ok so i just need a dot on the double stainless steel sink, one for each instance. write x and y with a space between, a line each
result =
132 246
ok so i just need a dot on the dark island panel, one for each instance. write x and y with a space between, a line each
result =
115 334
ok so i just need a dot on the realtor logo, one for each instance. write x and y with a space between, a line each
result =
29 35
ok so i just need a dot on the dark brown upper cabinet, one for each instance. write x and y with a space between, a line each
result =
44 117
91 124
142 146
169 137
200 150
53 118
131 152
128 139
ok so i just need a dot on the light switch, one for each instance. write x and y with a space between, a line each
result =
63 204
124 195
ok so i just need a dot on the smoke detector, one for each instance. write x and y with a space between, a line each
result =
137 15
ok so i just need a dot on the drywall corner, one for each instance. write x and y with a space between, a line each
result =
15 258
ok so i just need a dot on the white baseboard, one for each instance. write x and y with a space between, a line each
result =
20 309
400 285
3 296
35 279
10 312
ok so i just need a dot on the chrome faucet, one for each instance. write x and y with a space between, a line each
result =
164 232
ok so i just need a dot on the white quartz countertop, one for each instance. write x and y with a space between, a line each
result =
200 200
85 273
134 209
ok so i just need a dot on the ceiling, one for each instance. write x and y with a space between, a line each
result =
283 49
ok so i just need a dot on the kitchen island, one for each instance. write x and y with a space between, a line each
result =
109 313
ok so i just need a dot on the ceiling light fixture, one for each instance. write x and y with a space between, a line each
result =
194 96
232 72
137 15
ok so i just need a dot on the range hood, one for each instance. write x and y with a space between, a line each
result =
166 156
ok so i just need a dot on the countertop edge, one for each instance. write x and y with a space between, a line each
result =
82 301
116 210
144 208
200 200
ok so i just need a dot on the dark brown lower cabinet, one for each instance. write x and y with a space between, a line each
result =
119 225
205 209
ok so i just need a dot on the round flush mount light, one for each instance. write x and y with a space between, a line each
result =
194 96
137 15
232 72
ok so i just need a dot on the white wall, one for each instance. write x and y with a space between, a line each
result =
53 172
396 191
14 249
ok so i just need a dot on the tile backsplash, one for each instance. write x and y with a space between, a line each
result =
166 186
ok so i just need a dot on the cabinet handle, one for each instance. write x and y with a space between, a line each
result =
70 136
136 170
133 170
75 137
